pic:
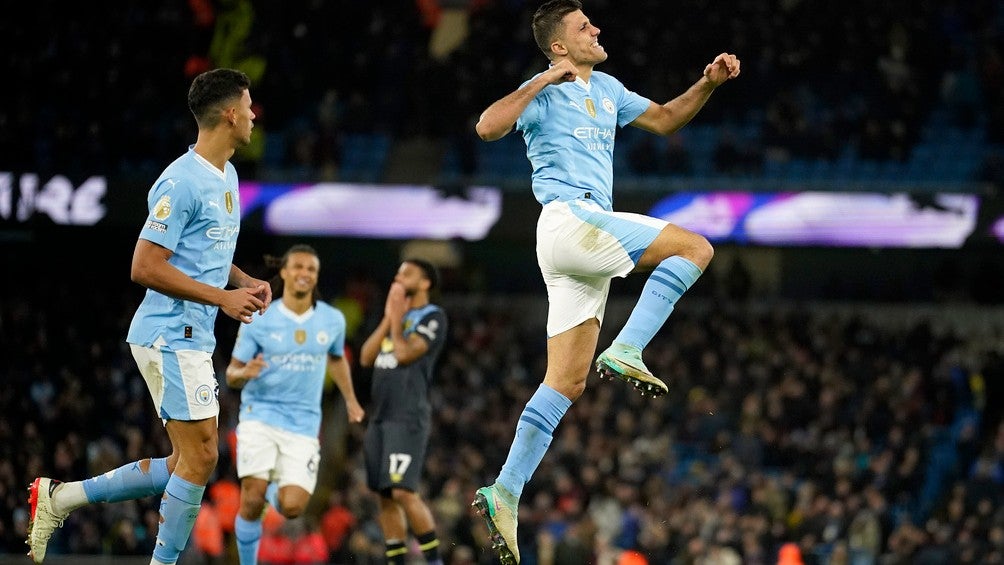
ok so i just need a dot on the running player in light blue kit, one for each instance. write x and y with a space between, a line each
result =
184 258
280 361
569 115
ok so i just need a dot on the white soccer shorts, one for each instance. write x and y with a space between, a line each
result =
277 455
580 247
182 383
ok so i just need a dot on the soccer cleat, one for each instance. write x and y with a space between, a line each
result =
501 520
624 362
42 520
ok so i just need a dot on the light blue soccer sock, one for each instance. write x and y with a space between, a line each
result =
272 496
533 436
128 482
248 534
664 287
178 510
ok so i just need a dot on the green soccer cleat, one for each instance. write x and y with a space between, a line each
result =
624 362
501 520
42 520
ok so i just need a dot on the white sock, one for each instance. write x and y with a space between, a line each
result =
68 497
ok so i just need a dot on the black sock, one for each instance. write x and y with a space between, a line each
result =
396 552
429 545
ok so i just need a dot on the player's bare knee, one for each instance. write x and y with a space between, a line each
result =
251 508
571 384
292 509
699 251
204 456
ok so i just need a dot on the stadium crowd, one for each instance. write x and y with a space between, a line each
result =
829 438
860 440
817 79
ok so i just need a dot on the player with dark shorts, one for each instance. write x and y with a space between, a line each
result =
403 351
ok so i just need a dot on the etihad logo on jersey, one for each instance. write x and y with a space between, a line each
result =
223 233
296 361
595 139
589 132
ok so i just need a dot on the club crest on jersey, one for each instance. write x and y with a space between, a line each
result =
608 105
162 209
322 338
204 395
300 336
228 201
591 107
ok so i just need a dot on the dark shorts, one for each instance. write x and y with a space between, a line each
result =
395 455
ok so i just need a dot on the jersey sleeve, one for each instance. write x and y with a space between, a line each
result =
171 205
432 327
533 112
247 345
630 104
337 333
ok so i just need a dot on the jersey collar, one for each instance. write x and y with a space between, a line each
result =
298 318
202 161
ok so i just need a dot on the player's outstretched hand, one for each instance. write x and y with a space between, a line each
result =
241 303
562 71
723 68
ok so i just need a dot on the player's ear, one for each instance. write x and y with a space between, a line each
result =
558 48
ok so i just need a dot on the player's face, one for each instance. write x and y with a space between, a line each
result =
244 118
581 38
412 278
299 276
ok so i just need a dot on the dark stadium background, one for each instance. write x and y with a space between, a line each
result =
845 400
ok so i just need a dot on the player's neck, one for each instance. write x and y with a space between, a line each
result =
297 305
215 148
418 300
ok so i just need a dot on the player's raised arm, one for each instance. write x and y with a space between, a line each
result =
499 118
669 117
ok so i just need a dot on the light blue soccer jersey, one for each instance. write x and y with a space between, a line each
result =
569 131
287 393
195 213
